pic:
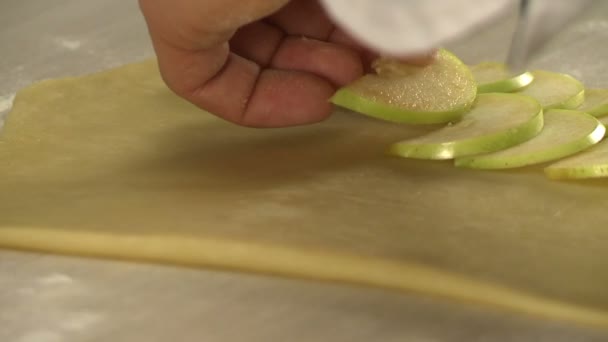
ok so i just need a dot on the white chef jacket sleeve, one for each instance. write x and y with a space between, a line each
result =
403 27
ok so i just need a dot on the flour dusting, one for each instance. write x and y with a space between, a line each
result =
68 44
56 279
6 102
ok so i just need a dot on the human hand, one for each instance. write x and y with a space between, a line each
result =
258 63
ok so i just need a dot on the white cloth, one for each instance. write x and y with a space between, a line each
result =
403 27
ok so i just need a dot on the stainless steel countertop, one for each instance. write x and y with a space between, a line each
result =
54 299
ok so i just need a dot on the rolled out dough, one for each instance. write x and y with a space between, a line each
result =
114 165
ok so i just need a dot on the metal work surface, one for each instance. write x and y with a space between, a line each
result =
51 298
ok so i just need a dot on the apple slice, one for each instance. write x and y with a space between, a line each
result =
496 78
596 102
555 91
496 121
438 93
592 163
565 132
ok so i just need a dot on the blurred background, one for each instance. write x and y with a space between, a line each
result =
54 299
